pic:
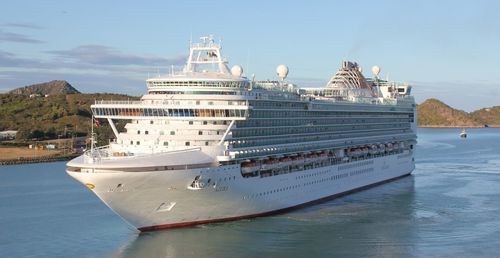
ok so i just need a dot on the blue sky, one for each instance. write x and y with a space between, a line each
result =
446 49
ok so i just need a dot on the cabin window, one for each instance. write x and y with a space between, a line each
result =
138 131
190 122
151 122
172 132
188 143
200 132
138 143
131 142
165 143
146 132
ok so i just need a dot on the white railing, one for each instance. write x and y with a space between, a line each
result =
172 102
126 102
96 154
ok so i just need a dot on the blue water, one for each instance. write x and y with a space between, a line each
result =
449 207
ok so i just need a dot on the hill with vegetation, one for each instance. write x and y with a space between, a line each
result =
55 87
51 117
488 116
434 113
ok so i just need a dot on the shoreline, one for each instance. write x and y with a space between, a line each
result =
439 126
45 159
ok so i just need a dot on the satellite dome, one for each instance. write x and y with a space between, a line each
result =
237 70
282 71
376 70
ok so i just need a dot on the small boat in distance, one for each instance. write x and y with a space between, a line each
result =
463 134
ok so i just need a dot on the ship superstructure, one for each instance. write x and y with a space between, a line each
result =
207 144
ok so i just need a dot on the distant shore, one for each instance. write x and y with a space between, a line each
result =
440 126
22 160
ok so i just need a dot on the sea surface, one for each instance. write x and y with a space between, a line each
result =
448 207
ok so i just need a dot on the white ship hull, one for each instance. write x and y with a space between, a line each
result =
164 199
207 144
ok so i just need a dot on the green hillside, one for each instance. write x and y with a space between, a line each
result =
46 88
488 116
434 113
51 117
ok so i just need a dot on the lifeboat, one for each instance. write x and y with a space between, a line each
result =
357 152
250 167
373 149
286 161
381 148
395 146
271 163
323 155
311 158
389 147
298 160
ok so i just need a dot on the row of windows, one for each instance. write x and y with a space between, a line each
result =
314 174
169 112
193 92
287 188
266 131
325 106
331 178
362 171
210 132
194 102
165 143
292 187
190 122
225 84
360 164
295 113
323 121
278 104
363 107
311 138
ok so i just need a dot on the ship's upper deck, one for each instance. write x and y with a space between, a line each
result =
205 70
207 89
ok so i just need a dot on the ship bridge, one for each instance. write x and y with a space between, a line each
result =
206 72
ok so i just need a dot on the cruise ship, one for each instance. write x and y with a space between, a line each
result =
207 144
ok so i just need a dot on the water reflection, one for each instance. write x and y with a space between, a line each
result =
375 222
